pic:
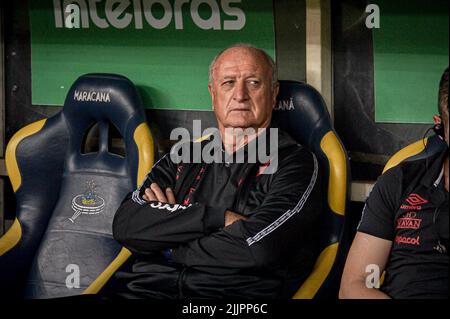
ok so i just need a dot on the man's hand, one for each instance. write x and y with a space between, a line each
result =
154 193
231 217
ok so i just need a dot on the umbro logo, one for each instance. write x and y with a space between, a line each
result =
414 199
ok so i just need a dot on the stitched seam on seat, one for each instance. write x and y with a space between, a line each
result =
53 283
81 232
96 173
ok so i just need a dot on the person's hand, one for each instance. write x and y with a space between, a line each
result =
155 193
231 217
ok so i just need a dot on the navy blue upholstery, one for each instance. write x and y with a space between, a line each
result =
434 145
67 199
301 112
418 150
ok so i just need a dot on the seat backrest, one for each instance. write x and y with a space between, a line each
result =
301 112
66 199
420 149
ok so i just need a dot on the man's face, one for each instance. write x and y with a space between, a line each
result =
241 89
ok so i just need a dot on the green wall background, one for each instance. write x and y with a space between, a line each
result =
169 66
410 55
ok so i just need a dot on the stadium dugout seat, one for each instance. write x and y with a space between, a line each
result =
66 197
301 112
420 149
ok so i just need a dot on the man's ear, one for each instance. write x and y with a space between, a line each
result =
276 89
437 119
211 92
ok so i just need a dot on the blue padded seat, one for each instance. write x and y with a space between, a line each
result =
66 199
301 112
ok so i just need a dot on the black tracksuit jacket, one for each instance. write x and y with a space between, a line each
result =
184 250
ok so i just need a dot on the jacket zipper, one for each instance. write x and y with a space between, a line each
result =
243 200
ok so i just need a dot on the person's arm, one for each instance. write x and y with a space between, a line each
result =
371 247
273 232
367 256
149 220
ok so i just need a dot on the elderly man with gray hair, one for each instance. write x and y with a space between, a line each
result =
226 229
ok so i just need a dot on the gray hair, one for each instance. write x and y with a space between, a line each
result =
269 60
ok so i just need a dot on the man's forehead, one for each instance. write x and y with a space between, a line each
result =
241 60
231 68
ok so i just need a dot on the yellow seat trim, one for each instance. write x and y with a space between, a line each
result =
337 183
408 151
383 276
10 156
101 280
320 272
14 234
11 238
144 141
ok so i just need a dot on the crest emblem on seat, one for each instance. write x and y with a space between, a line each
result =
88 203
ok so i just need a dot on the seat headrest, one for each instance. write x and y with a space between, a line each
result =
102 97
301 111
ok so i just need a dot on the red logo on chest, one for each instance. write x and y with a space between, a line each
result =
408 240
409 221
414 199
262 168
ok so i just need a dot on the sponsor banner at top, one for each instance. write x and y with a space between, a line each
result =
163 46
143 14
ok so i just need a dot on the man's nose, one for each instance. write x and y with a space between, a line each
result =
240 92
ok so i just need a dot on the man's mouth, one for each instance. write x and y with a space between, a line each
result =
240 109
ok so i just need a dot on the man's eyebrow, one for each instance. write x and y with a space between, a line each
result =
227 77
233 76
